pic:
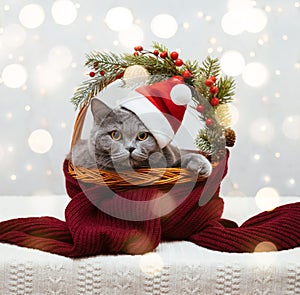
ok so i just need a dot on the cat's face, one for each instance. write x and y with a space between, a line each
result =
119 140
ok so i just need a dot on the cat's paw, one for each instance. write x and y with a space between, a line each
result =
197 164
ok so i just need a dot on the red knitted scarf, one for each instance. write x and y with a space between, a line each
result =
90 231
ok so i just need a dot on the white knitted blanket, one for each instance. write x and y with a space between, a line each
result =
174 268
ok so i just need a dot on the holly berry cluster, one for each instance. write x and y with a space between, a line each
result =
171 57
92 74
214 101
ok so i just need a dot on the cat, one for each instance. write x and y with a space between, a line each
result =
119 140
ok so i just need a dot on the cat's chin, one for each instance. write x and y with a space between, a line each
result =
129 164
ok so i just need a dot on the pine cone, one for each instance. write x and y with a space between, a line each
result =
230 137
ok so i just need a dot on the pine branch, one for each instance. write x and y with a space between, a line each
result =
104 61
203 143
154 65
226 87
212 143
210 67
193 67
114 65
88 89
159 46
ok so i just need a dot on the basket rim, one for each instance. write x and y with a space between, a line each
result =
152 177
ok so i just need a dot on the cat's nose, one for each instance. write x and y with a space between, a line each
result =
130 149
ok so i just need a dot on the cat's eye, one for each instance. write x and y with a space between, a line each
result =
142 136
116 135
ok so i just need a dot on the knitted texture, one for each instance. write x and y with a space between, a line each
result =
90 231
174 268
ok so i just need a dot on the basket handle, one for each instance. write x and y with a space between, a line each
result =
78 125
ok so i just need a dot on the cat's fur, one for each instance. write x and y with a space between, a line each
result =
102 151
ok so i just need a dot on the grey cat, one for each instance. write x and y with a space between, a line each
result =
120 141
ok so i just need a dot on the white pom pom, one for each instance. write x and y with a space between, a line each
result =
181 94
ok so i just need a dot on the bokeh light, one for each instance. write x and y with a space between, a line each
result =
265 246
13 177
119 18
223 115
164 26
267 198
242 18
233 23
151 264
256 20
291 127
239 4
32 16
40 141
262 131
64 12
13 36
255 74
136 74
60 57
232 63
48 76
14 75
131 36
235 114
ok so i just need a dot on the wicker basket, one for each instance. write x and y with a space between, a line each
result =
162 178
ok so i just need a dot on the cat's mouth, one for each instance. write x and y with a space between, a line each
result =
133 161
139 164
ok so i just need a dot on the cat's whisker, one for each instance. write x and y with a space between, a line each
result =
139 156
104 163
120 156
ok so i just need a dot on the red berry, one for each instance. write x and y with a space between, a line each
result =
200 108
209 82
214 101
135 53
174 55
119 76
138 48
163 54
186 74
213 78
214 90
209 122
156 52
179 78
92 74
102 73
178 62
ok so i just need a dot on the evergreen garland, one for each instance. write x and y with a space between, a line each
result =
108 67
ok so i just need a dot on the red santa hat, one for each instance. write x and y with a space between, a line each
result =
160 106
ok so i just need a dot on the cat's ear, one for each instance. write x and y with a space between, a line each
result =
99 110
